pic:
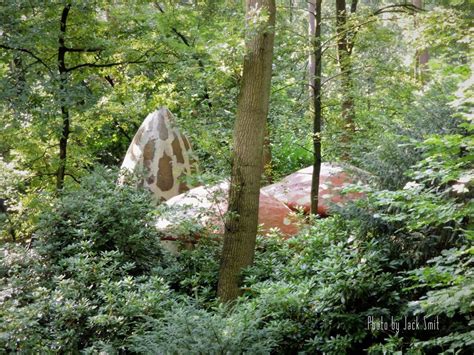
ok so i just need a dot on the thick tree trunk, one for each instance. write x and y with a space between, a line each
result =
252 110
344 50
315 57
63 140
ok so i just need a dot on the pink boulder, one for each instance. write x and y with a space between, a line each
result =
206 207
295 189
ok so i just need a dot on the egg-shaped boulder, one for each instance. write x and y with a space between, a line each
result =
162 155
206 206
295 189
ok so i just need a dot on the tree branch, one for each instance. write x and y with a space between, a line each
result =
83 50
107 65
73 177
39 60
397 8
181 36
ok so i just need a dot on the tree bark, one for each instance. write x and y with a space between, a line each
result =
422 56
344 51
290 5
315 61
63 140
249 131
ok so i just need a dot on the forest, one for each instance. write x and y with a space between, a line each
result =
230 177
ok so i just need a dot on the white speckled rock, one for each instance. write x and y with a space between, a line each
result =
162 153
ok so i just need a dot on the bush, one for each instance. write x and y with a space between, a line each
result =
88 301
321 286
89 281
190 330
447 282
18 210
106 217
195 272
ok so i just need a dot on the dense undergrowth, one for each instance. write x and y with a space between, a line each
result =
95 279
83 271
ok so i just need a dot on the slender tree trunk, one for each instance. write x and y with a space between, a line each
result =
252 110
344 51
63 140
315 61
290 5
422 56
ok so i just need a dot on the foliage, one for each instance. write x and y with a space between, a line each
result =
19 206
83 270
198 331
103 217
89 300
448 281
324 287
83 282
195 271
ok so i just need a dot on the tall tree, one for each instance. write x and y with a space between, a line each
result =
249 132
57 71
421 56
345 44
315 61
63 72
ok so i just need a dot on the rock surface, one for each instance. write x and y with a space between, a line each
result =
162 153
295 189
206 206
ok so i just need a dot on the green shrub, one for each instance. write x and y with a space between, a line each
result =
107 217
88 300
187 329
322 285
89 281
18 210
195 272
447 282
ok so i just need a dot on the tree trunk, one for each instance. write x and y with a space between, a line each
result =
344 50
315 59
422 56
63 140
291 5
249 131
